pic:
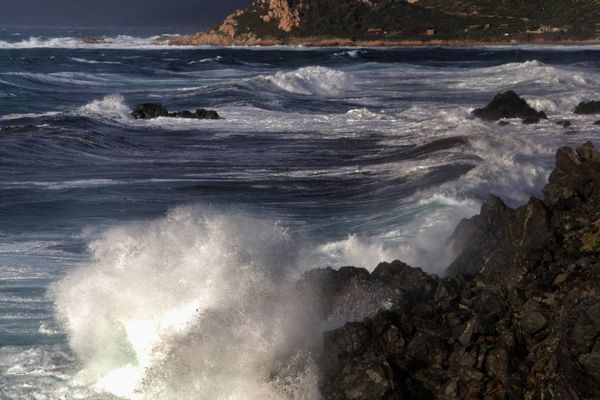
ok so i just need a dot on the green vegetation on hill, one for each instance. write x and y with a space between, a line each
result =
478 20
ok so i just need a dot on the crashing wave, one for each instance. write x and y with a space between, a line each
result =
194 305
311 81
112 106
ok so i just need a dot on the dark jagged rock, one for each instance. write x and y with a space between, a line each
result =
564 123
201 113
149 111
518 317
155 110
597 122
534 119
509 105
354 293
590 107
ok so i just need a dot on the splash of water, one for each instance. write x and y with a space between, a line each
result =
190 306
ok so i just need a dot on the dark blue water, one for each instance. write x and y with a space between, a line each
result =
358 155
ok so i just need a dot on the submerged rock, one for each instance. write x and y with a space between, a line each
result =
155 110
564 123
590 107
518 317
509 105
597 122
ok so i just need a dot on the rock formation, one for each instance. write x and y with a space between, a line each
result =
155 110
509 105
518 317
590 107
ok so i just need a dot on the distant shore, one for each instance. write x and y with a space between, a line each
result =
208 39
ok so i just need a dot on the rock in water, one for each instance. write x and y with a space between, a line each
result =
590 107
149 111
201 113
518 318
564 123
155 110
509 105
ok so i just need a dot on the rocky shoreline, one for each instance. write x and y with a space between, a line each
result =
215 38
517 317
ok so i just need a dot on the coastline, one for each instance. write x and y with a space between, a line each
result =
212 39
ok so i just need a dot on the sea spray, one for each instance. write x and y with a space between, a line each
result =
190 306
111 106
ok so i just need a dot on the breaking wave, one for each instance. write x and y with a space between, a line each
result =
112 106
68 42
312 80
192 306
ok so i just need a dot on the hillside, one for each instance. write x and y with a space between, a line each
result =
355 21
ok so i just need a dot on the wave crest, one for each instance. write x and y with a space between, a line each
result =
112 106
312 81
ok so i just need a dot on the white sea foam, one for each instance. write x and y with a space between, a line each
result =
206 60
312 80
68 42
86 61
112 106
28 115
190 306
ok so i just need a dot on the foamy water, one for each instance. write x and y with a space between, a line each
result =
157 259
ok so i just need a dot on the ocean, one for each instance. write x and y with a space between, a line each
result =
154 259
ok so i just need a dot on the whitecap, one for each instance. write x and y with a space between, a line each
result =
112 106
86 61
311 81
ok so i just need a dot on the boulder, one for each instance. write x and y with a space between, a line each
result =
597 122
590 107
201 113
508 105
534 119
149 111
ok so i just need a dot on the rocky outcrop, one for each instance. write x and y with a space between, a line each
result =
509 105
149 111
590 107
281 11
155 110
518 317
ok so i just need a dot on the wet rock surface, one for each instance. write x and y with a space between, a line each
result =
155 110
509 105
589 107
517 317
